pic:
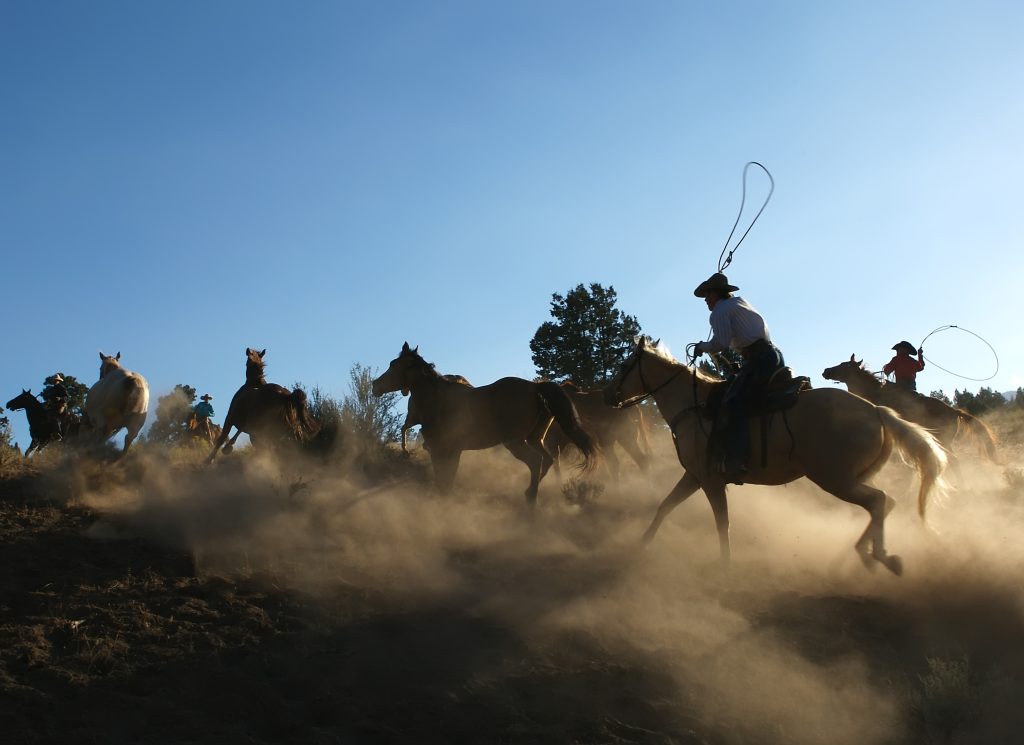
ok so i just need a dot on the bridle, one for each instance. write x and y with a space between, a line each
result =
645 393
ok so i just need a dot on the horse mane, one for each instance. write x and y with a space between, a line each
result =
661 352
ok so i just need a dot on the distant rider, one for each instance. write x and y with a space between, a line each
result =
735 324
204 413
57 398
904 366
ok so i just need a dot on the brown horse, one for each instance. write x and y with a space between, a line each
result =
609 425
835 439
207 432
945 421
265 411
412 414
512 412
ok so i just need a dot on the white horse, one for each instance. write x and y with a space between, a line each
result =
120 398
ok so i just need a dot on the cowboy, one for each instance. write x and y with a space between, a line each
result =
56 397
904 366
204 412
736 325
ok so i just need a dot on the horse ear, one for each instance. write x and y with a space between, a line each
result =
416 349
860 362
103 357
117 357
263 353
641 342
405 347
853 358
248 351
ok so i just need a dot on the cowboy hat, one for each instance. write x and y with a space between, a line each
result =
717 282
911 349
206 397
58 378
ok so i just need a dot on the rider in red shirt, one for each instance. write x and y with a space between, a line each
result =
905 366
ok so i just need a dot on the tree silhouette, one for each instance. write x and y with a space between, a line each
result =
172 414
588 338
372 419
76 394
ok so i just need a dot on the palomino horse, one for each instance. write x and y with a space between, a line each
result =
511 411
609 425
265 411
835 439
943 420
412 414
43 424
119 399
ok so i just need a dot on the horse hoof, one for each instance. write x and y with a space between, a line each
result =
894 564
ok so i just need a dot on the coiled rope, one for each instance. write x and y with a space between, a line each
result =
725 259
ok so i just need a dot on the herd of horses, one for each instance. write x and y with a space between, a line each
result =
837 439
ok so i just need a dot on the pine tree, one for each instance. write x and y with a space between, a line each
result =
588 338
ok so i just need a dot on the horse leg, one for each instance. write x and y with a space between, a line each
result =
611 461
445 466
686 486
534 460
720 507
878 505
134 427
634 451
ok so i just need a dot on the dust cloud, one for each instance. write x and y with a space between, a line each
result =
795 642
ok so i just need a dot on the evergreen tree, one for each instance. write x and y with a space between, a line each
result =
941 396
588 338
77 393
978 403
172 414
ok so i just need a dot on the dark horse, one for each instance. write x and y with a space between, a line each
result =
412 414
511 411
265 411
43 424
608 425
945 421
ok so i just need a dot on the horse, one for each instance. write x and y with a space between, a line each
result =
835 439
412 414
945 421
512 412
264 410
608 425
43 424
120 398
207 433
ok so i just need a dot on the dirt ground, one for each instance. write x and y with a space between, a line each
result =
154 600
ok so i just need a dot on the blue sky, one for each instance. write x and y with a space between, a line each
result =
329 179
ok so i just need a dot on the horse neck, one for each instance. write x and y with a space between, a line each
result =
863 383
254 375
672 384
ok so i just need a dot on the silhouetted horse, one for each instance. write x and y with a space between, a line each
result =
196 431
942 419
608 425
267 412
120 398
43 424
511 411
835 439
412 414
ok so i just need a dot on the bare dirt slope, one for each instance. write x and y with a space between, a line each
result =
148 602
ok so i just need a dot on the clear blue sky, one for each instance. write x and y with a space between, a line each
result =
329 179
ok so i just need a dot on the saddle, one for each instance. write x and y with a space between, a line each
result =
778 394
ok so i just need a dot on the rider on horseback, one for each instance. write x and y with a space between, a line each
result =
904 366
736 325
56 397
204 413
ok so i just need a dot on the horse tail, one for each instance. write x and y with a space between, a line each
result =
307 426
919 446
559 405
978 430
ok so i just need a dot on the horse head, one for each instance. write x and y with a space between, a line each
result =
20 401
254 366
844 372
401 372
108 363
626 384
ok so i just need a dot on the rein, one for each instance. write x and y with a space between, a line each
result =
646 394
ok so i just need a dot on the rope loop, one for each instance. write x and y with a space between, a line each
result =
723 259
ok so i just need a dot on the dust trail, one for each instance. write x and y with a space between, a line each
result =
797 642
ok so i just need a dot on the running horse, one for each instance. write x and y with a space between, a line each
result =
412 414
835 439
609 425
119 399
43 424
512 412
265 411
945 421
